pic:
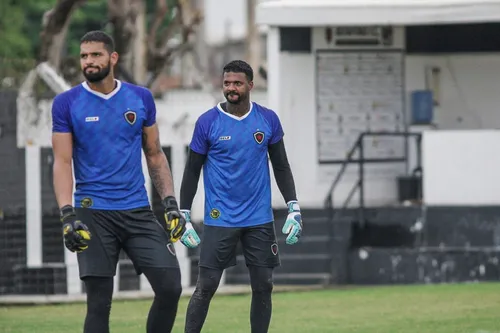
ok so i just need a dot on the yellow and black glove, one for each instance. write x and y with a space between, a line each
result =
75 233
176 224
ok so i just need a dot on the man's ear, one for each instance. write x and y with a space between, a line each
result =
250 85
114 58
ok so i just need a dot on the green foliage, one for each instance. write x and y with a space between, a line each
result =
33 21
20 27
14 43
91 16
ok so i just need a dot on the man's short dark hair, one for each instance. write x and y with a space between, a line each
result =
239 66
99 36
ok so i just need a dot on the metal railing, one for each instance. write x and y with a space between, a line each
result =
361 161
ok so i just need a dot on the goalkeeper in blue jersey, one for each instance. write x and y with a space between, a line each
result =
100 126
232 142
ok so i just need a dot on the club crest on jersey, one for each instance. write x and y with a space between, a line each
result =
130 117
259 137
274 249
171 249
215 213
86 202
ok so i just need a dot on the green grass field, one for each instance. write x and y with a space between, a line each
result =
466 308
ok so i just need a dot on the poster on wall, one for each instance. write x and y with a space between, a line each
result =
359 91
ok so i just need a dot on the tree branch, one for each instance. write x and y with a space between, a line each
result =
163 64
161 12
54 29
160 48
123 14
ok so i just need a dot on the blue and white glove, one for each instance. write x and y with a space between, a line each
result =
190 237
293 223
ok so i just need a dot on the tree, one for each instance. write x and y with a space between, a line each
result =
14 43
169 32
55 25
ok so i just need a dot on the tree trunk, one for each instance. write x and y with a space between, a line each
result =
253 42
123 15
175 40
140 55
55 24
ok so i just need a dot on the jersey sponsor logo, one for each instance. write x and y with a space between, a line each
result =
274 249
225 138
259 137
86 202
214 213
130 117
91 119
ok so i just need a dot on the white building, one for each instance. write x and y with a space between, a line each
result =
338 68
225 20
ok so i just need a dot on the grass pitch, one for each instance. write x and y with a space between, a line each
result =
464 308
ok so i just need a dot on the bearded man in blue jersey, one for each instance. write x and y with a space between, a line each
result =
232 142
100 126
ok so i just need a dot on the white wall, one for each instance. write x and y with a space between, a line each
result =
469 100
469 88
292 90
461 168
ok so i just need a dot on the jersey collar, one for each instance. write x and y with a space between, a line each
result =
104 96
232 115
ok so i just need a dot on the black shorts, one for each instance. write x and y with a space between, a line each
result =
136 231
259 245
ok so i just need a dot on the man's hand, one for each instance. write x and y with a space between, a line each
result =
293 223
190 238
176 224
75 233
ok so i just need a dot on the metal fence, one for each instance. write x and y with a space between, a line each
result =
12 176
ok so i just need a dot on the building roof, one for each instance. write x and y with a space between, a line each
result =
376 12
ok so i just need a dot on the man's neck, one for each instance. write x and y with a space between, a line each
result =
239 109
106 86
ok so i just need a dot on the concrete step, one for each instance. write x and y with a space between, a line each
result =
284 279
301 263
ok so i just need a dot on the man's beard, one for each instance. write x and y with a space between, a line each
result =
97 76
234 101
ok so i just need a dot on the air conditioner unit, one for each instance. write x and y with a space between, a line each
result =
350 36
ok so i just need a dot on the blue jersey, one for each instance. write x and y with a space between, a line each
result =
107 143
236 171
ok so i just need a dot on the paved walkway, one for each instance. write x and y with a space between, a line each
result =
124 295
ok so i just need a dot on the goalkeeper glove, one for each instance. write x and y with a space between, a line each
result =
176 224
293 223
75 233
190 237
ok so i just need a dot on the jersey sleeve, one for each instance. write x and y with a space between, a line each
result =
199 142
61 118
150 105
276 128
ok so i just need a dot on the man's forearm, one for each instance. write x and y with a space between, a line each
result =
286 184
160 174
63 183
282 171
191 178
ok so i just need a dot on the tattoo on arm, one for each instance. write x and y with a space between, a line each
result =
161 177
148 150
145 143
158 167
